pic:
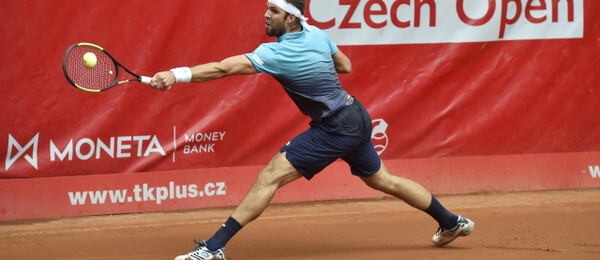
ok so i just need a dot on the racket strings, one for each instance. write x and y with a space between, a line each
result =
101 76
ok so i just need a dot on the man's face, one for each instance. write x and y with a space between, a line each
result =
275 20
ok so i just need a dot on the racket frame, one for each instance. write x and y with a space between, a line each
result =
137 78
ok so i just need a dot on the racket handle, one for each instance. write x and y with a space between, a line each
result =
145 79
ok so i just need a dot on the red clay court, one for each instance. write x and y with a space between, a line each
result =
508 225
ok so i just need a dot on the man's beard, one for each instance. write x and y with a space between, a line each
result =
276 31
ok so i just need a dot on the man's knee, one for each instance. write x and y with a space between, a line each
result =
379 180
278 171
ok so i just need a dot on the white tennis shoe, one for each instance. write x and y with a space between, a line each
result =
443 236
201 252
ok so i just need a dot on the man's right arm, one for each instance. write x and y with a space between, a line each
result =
236 65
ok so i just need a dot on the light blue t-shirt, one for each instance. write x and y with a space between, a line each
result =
302 62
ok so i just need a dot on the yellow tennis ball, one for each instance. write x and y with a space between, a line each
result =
90 59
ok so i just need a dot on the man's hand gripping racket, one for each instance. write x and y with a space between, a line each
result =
90 68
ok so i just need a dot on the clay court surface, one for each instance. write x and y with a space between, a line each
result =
508 225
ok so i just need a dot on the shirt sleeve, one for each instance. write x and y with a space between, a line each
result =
264 59
331 44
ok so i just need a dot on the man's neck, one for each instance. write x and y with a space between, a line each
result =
296 29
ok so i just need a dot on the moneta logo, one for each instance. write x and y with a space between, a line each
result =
14 145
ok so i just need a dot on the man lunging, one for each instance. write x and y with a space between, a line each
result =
306 63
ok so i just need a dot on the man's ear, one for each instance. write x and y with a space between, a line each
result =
291 18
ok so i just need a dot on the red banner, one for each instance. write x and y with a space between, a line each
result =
444 81
212 187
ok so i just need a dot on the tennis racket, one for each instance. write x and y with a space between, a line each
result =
90 68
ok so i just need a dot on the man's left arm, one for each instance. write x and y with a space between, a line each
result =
342 62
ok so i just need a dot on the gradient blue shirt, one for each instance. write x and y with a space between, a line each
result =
302 62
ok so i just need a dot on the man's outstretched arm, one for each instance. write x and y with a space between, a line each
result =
235 65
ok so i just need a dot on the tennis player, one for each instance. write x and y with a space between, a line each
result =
306 63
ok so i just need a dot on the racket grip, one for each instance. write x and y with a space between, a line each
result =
145 79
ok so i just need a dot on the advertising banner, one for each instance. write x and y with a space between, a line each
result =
455 89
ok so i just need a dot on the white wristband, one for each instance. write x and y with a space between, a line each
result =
182 75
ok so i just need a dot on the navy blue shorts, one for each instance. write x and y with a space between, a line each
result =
346 134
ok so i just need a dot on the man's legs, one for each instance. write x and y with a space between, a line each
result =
451 226
277 173
407 190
